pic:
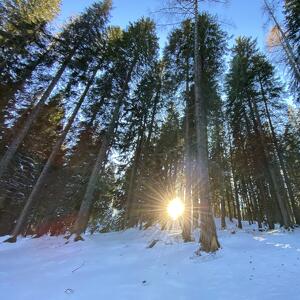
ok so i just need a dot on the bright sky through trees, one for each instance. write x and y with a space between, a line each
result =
240 17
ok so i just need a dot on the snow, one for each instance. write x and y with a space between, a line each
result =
118 265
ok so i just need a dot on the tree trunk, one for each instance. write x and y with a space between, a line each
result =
254 199
208 238
131 205
237 202
247 201
84 212
43 176
235 187
154 112
87 201
188 216
223 212
228 196
17 141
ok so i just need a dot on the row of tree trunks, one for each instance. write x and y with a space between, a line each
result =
43 176
283 205
279 152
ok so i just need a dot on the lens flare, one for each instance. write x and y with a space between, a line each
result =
175 208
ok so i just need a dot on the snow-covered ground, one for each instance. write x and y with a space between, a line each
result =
251 265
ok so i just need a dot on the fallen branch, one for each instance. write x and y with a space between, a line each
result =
78 267
152 244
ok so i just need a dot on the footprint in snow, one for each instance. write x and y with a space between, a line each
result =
145 283
69 291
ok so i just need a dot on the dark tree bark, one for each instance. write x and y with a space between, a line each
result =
235 187
131 203
188 217
228 197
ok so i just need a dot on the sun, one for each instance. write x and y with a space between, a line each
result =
175 208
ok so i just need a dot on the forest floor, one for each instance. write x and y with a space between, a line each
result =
118 265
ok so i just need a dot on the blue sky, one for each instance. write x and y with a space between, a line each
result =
239 17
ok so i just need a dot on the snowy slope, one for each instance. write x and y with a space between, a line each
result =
251 265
